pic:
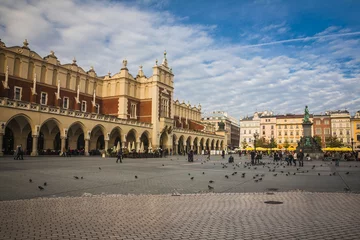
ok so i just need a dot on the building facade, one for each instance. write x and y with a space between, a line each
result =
289 129
340 126
267 126
232 126
248 127
355 129
49 105
322 127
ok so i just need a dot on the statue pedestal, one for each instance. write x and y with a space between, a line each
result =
307 129
308 144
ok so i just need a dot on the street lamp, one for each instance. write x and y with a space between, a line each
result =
352 144
256 135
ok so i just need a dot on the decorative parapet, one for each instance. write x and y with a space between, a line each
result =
204 134
4 102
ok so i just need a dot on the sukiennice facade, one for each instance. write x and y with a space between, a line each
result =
48 105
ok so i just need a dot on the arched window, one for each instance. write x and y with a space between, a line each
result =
43 74
54 79
31 71
17 67
68 79
2 63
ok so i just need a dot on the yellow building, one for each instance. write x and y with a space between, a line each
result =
289 129
355 130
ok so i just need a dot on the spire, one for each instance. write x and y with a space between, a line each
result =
140 72
165 63
26 44
74 62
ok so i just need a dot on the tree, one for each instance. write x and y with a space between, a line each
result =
272 143
244 144
318 140
286 144
333 141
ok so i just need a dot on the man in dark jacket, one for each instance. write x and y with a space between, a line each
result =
300 157
252 154
119 156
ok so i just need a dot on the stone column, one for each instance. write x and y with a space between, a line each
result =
199 150
1 144
86 153
106 146
34 145
63 143
176 148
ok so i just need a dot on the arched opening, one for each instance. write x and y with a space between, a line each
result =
202 145
188 144
75 137
181 149
131 140
115 139
222 145
144 142
207 145
163 140
217 146
213 144
49 138
97 142
17 131
196 145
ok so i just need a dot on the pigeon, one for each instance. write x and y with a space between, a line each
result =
45 184
282 171
334 173
164 165
203 172
226 176
41 188
319 174
262 175
260 179
210 187
347 173
321 165
82 177
273 170
243 176
294 173
276 174
233 174
201 163
257 175
256 180
99 168
330 174
76 177
189 174
136 177
255 168
254 177
287 175
297 169
192 178
347 189
30 180
211 181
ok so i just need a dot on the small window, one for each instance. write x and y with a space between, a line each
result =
272 127
279 141
83 106
326 121
43 98
272 132
133 110
249 131
17 93
318 131
263 127
244 131
263 132
66 103
97 108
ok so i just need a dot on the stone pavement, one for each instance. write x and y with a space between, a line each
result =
193 216
154 178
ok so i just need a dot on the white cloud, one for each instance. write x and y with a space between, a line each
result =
220 76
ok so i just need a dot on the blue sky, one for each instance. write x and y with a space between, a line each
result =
237 56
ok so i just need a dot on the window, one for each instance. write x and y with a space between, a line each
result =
318 130
285 127
97 108
244 131
297 133
279 134
326 122
357 126
43 98
272 127
279 141
272 132
285 133
263 127
291 133
279 126
297 126
318 122
327 130
358 137
66 103
249 139
291 141
83 106
341 133
347 132
250 131
133 110
17 93
263 132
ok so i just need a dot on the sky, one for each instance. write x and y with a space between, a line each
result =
234 56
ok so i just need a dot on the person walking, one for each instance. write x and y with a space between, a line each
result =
295 158
300 157
119 156
252 155
223 154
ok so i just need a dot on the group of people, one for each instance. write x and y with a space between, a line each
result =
19 153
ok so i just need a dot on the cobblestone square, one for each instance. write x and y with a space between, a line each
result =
163 202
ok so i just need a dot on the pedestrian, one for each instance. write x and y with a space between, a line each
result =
300 157
21 153
16 154
231 159
223 154
252 155
208 157
291 158
295 158
119 156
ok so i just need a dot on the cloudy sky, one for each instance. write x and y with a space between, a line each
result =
236 56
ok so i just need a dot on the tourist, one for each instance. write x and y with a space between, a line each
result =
223 154
300 157
119 156
295 158
231 159
252 155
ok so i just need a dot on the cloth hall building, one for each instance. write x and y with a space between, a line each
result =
48 105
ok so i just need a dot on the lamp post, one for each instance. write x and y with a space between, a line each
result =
352 144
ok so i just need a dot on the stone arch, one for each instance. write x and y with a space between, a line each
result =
76 135
196 145
115 138
207 144
217 147
131 137
49 135
145 141
164 140
17 130
97 138
2 63
202 144
188 143
212 144
181 149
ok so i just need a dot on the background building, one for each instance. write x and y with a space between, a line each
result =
340 126
249 126
232 126
322 127
267 126
355 129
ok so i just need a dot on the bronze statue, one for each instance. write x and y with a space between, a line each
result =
306 115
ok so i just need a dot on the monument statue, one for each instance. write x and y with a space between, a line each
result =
221 125
306 115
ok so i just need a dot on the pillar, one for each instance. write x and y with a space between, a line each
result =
198 150
184 148
176 148
63 143
106 145
34 145
1 144
86 153
123 144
